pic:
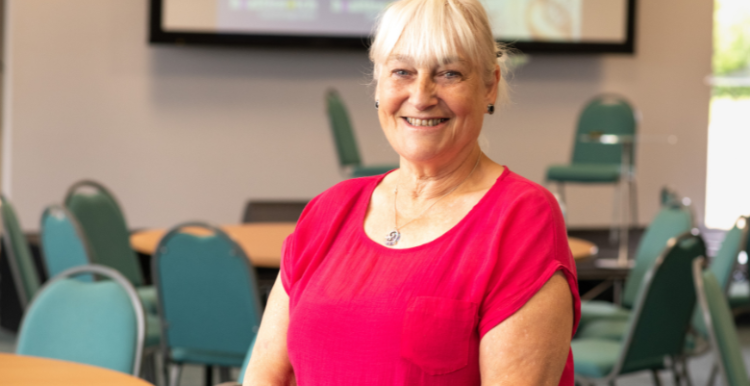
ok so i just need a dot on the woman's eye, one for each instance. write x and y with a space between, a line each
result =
452 74
400 72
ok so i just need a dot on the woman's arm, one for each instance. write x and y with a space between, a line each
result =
269 364
532 345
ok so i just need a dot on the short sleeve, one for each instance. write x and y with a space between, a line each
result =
531 246
287 263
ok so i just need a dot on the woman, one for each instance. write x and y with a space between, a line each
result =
450 270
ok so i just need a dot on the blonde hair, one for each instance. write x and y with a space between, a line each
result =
437 31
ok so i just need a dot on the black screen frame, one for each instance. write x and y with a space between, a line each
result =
158 36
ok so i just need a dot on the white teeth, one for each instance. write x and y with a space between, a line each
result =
424 122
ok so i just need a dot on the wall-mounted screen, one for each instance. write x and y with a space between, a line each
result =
530 25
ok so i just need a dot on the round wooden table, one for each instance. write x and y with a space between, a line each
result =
262 242
21 370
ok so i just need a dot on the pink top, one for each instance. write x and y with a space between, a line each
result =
365 314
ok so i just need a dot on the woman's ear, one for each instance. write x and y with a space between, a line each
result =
493 86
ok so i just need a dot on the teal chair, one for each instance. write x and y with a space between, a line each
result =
346 143
720 326
21 264
97 323
62 241
64 246
600 163
658 324
600 318
208 298
103 223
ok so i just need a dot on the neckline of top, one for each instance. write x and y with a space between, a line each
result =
367 197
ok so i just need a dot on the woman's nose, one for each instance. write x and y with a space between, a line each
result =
423 93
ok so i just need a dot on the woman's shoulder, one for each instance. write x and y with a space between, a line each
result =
340 197
516 189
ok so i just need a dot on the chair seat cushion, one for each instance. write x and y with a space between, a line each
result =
611 329
594 358
374 170
148 297
584 173
205 357
597 310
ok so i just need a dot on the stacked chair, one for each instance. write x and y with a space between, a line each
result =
350 162
717 317
208 299
21 264
603 319
656 326
99 323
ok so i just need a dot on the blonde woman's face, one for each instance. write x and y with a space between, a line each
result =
432 112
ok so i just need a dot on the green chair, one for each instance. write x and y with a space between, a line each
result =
106 230
21 264
346 144
720 326
597 162
658 324
97 323
208 298
62 242
600 318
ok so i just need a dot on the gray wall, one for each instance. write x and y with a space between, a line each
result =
192 132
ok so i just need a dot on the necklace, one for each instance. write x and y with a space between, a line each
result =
395 235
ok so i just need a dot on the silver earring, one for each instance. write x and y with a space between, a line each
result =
377 104
490 109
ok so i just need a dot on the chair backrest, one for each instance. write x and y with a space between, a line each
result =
208 292
723 264
722 332
672 220
343 132
63 244
661 316
19 255
273 211
96 323
246 361
604 114
105 228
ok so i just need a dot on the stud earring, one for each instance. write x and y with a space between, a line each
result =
377 104
490 109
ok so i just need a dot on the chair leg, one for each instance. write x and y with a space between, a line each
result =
614 235
714 373
655 377
561 192
175 370
675 373
209 373
685 371
148 368
633 203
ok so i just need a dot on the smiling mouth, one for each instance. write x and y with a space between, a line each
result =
425 122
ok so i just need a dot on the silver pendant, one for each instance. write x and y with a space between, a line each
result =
393 238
